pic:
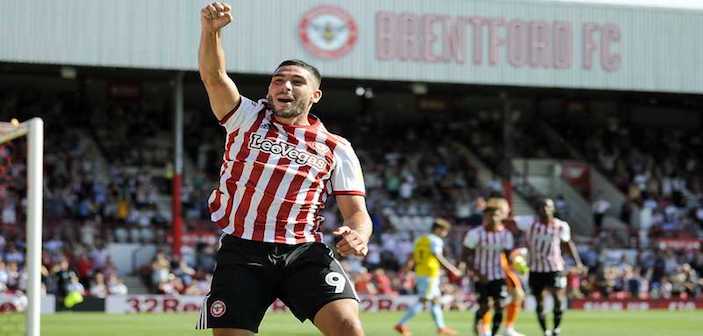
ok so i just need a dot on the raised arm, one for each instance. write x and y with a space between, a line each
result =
357 228
221 91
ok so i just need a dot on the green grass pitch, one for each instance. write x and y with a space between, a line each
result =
576 323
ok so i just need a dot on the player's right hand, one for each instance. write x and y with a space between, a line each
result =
215 16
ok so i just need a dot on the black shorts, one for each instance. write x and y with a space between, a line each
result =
538 281
496 289
251 275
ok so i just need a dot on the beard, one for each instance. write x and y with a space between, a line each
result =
293 110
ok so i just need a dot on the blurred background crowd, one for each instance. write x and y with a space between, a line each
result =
108 183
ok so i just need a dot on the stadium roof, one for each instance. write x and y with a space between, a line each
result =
676 4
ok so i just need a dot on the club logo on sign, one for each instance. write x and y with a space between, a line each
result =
328 31
218 308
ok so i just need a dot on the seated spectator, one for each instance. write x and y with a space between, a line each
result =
115 286
98 287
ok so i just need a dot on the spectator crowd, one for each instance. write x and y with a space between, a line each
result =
100 191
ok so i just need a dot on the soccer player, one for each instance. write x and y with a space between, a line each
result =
279 165
545 238
484 248
512 279
427 258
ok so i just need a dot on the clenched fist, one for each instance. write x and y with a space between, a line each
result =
215 16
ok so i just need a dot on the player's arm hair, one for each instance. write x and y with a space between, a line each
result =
571 248
221 90
355 215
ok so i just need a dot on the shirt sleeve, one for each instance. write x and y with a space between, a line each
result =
471 239
241 114
436 245
347 178
565 234
523 222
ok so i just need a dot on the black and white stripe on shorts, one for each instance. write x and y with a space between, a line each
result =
202 321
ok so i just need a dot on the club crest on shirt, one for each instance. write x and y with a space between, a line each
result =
321 149
218 308
287 150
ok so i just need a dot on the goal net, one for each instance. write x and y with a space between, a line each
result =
20 264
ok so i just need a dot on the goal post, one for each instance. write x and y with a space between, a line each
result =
33 129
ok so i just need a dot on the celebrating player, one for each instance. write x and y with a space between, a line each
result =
484 247
427 258
279 165
545 238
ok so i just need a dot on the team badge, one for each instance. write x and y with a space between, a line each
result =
328 31
321 149
218 308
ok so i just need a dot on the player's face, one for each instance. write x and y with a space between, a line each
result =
547 208
494 216
504 210
292 91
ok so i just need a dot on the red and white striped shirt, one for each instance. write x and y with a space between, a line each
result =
488 246
544 243
275 178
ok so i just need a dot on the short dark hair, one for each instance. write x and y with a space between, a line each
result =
303 65
542 201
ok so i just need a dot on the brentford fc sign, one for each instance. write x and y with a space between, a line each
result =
328 31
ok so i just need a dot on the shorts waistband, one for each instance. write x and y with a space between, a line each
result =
228 239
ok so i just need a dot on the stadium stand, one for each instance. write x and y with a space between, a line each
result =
99 191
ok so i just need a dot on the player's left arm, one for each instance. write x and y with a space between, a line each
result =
356 232
571 248
446 264
348 187
568 245
437 250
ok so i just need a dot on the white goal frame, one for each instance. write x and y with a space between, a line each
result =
34 130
